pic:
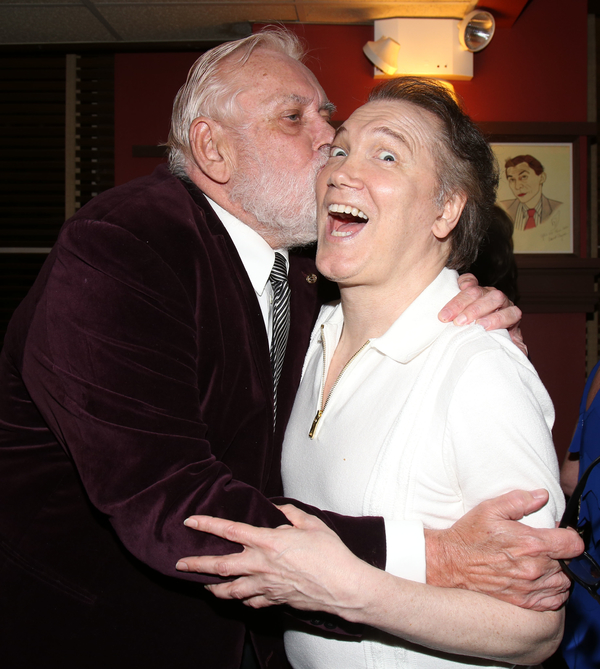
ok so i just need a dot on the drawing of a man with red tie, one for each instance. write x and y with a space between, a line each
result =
530 208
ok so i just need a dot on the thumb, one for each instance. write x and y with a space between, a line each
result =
300 519
517 504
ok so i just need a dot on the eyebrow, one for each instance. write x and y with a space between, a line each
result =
381 130
301 100
523 170
328 107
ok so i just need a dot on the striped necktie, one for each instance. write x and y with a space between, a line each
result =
281 322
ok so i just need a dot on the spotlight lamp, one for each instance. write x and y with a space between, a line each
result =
476 30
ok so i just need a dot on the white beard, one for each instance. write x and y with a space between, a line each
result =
284 204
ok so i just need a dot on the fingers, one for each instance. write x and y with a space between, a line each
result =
301 519
295 515
508 317
562 544
517 339
515 505
474 303
488 552
239 533
252 591
225 566
241 589
458 304
467 280
553 603
550 593
553 596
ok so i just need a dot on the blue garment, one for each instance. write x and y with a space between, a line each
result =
581 643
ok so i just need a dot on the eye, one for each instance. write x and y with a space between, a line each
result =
387 156
336 152
293 117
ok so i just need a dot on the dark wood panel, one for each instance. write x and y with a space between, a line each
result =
557 283
32 168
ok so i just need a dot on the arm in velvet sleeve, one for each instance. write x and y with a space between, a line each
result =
111 364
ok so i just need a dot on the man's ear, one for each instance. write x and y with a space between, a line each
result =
449 217
542 177
210 149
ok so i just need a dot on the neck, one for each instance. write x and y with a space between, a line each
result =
532 204
219 193
370 311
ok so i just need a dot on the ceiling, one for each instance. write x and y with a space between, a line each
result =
48 22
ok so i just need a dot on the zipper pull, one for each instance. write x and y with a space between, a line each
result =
315 423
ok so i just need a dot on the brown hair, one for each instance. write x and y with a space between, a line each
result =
534 163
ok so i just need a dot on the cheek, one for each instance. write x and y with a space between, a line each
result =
321 185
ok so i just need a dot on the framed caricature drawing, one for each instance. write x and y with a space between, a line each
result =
536 191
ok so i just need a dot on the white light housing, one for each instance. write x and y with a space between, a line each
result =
476 30
429 48
383 54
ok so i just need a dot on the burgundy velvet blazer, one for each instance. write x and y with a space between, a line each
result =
135 390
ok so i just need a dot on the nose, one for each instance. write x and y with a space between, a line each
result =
344 174
323 134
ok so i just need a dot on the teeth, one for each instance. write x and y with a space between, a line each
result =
347 209
339 233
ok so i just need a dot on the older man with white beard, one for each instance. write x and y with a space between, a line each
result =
137 388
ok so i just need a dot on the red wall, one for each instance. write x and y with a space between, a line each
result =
145 86
528 73
534 71
557 349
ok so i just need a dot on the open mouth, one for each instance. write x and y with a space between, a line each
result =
346 220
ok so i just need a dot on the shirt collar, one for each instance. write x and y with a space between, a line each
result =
417 327
538 207
256 255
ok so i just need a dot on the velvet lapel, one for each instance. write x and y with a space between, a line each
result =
256 327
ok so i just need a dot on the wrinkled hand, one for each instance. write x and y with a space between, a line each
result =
488 306
488 552
281 566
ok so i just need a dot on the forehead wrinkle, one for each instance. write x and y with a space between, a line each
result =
389 132
381 130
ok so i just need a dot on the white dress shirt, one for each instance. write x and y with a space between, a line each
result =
257 257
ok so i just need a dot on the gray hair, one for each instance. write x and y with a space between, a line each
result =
211 90
465 161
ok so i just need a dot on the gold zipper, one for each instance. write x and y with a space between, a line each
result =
345 367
